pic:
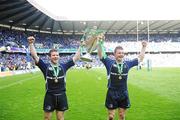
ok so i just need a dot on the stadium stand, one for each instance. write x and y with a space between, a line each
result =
168 45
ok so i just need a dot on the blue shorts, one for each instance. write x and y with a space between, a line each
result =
55 102
116 99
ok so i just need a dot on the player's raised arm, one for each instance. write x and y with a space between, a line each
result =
100 54
142 53
101 50
33 52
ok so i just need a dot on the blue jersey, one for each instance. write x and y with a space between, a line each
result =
55 84
116 80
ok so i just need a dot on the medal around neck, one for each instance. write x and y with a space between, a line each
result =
56 73
120 69
56 80
120 77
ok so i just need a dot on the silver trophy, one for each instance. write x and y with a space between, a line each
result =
89 42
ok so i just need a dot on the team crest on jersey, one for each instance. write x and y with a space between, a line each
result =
114 65
48 107
50 68
110 105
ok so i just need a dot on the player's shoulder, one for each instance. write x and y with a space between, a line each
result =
61 64
40 62
130 60
108 59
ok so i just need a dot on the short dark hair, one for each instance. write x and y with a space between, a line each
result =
52 50
118 47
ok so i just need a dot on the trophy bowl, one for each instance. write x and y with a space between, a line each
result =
90 42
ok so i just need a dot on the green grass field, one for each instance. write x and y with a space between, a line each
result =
154 95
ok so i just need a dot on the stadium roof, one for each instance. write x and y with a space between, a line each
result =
109 9
21 14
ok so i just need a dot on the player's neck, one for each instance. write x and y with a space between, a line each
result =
119 61
54 64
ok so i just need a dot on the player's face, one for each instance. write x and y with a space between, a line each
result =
119 54
54 57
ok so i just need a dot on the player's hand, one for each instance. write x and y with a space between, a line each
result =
99 37
82 43
31 39
144 43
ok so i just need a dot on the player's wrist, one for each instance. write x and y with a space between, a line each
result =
31 44
143 46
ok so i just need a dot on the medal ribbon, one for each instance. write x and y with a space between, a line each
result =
120 68
55 71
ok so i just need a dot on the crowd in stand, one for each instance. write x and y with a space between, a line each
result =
10 62
18 61
44 40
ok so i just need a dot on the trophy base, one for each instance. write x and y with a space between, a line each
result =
87 58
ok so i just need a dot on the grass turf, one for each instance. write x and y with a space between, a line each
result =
154 95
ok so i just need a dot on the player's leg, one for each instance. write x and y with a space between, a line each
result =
61 106
47 115
48 106
123 106
111 114
121 113
60 115
111 104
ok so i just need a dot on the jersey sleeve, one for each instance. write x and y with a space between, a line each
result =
107 62
67 65
132 63
42 66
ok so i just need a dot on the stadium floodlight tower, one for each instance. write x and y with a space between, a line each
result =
148 60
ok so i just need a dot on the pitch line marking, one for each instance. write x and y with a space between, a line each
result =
18 82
